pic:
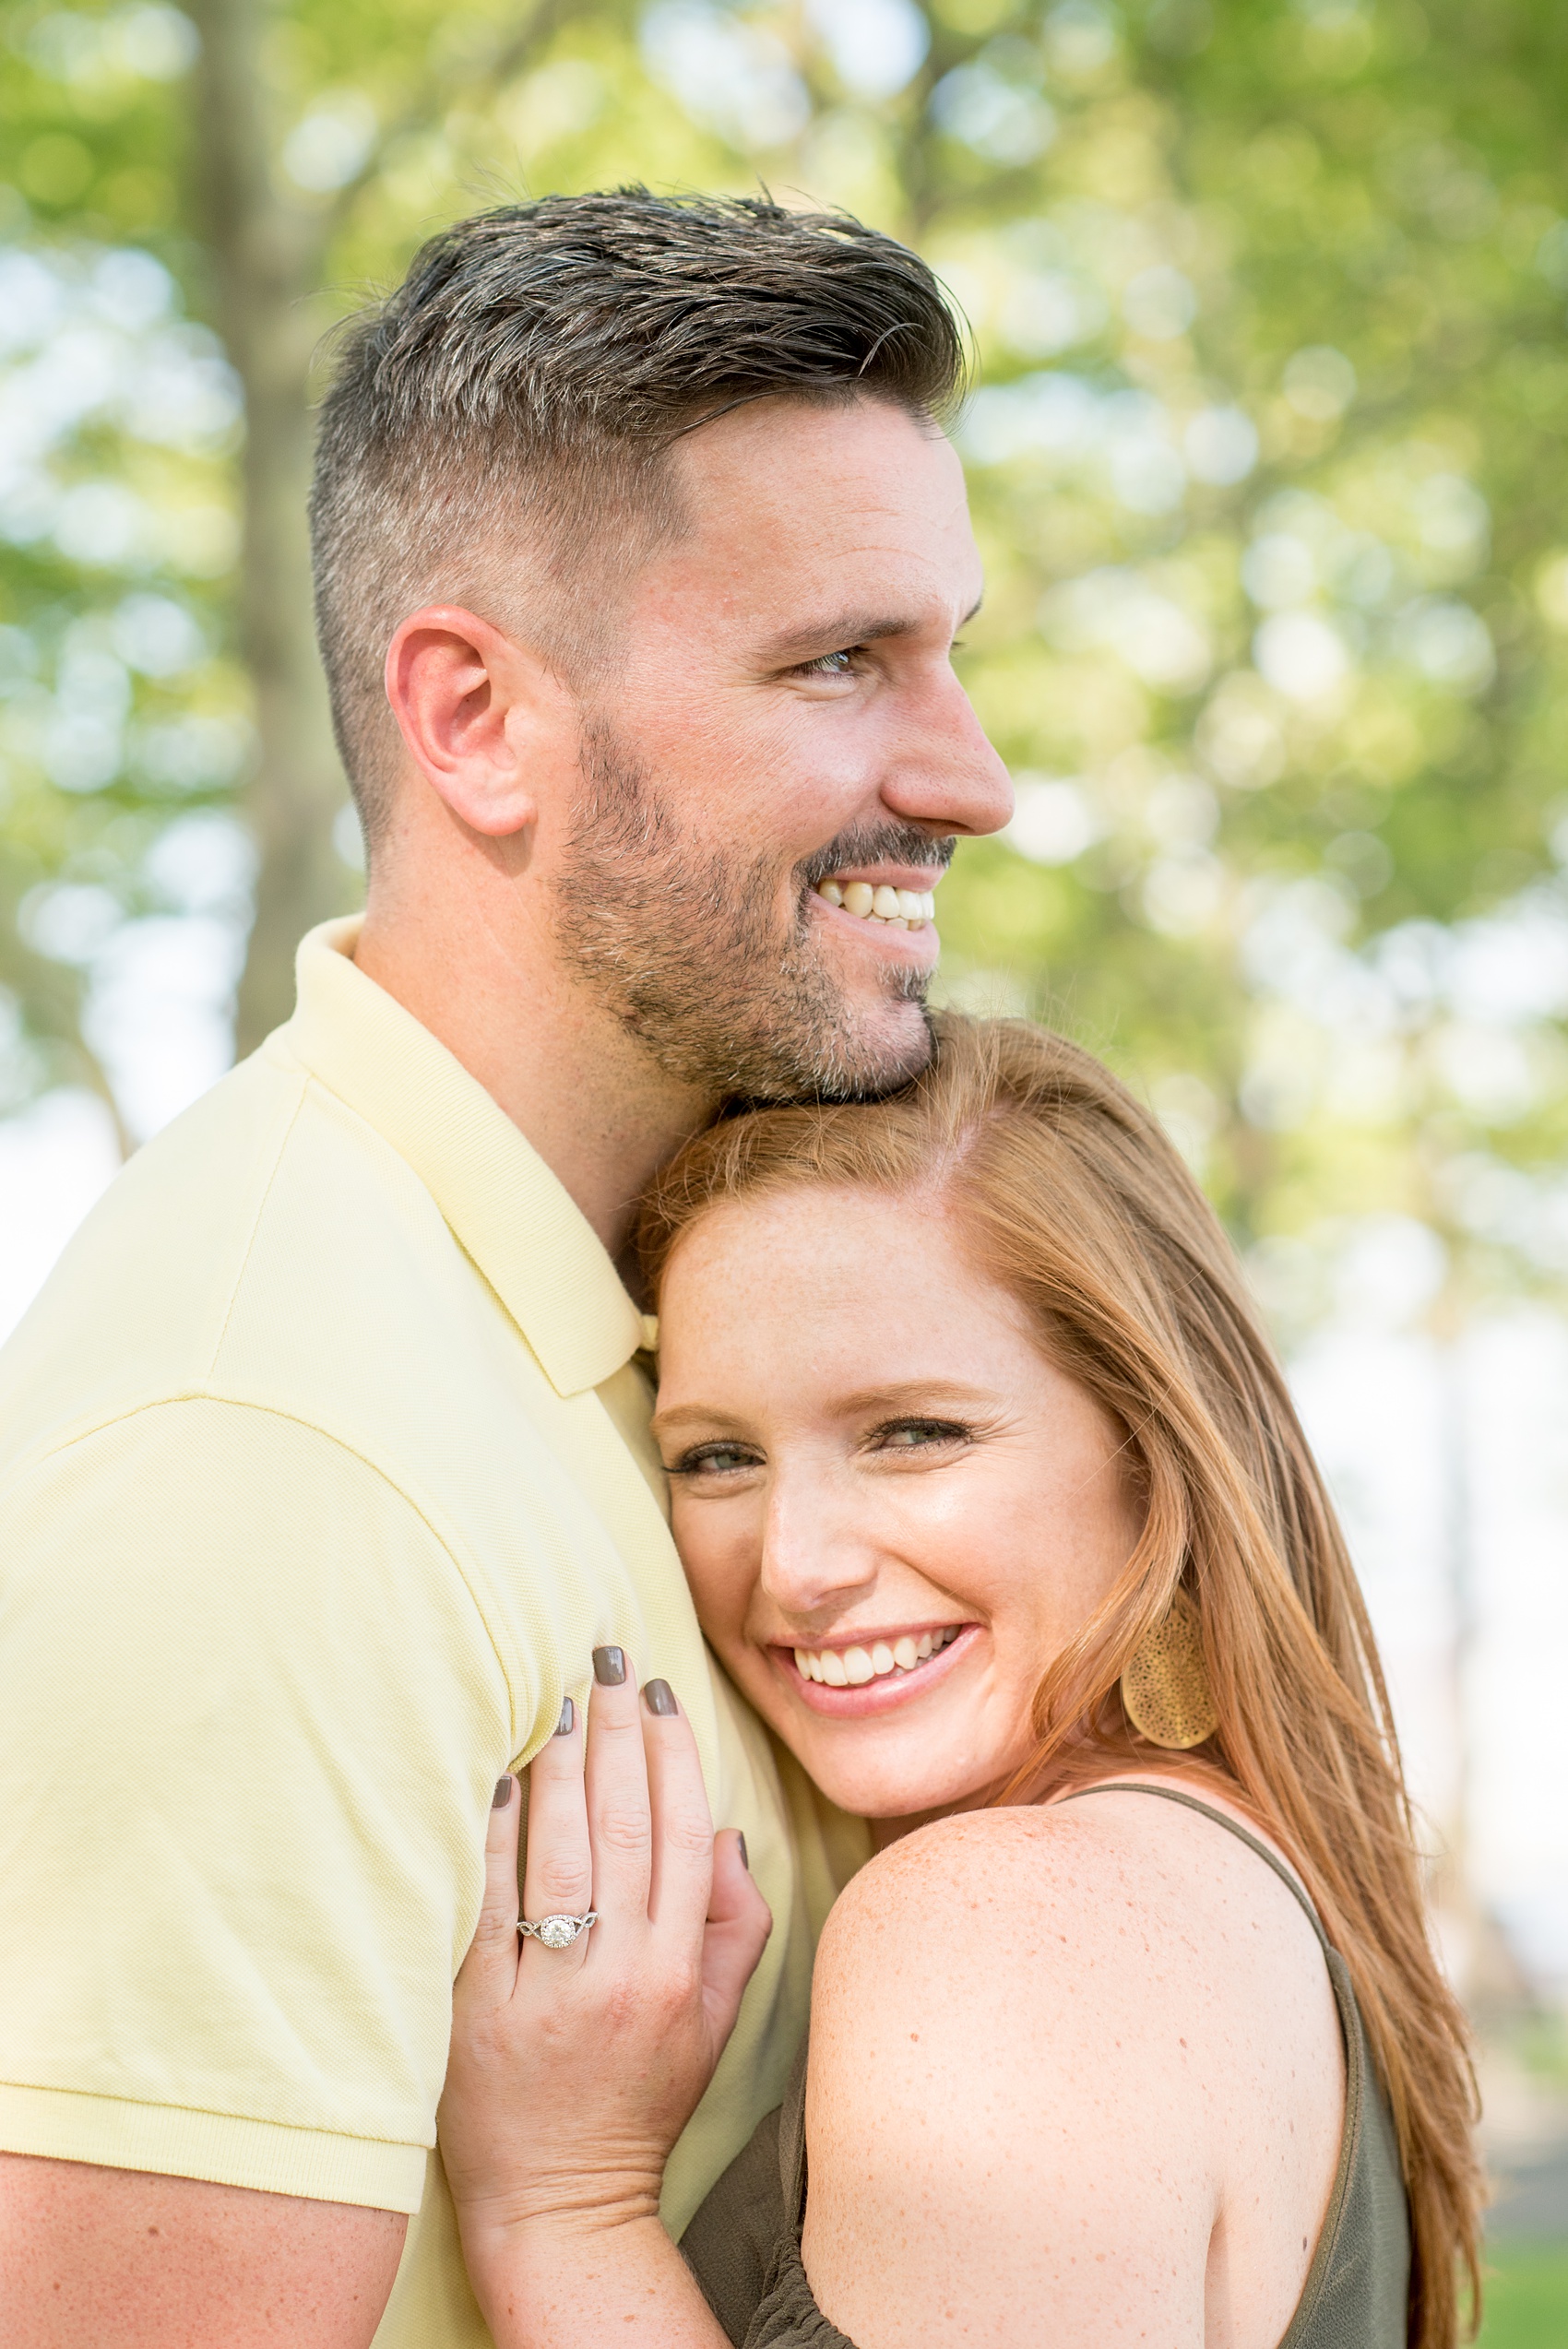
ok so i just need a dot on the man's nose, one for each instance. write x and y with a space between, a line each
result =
944 772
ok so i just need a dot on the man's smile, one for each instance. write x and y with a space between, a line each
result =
869 901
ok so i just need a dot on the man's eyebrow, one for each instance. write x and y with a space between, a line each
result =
840 632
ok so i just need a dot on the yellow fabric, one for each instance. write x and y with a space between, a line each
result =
325 1465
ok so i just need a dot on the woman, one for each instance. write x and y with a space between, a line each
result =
993 1502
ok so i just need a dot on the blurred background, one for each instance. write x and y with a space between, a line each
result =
1270 299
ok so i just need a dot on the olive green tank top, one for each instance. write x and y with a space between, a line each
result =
743 2246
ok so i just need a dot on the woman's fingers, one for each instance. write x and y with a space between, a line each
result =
558 1871
619 1826
490 1970
739 1922
683 1824
704 1897
623 2028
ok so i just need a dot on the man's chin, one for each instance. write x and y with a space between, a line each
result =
885 1046
910 1046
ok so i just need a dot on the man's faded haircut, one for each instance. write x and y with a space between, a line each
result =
497 432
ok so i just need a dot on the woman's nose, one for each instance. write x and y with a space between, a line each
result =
815 1562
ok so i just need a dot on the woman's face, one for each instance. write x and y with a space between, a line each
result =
894 1511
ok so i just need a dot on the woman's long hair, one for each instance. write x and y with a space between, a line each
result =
1071 1198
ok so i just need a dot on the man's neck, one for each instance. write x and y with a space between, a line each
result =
600 1112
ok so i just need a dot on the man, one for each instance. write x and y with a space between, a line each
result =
326 1463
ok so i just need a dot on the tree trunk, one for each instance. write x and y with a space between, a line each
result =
266 257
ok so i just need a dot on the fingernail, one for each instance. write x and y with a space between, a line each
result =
608 1666
659 1697
741 1839
567 1722
502 1795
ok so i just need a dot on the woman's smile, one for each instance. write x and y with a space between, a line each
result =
870 1672
896 1512
990 1499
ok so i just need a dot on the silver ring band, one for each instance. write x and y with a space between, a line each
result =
557 1933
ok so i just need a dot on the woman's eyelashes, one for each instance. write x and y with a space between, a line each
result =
715 1459
918 1435
927 1440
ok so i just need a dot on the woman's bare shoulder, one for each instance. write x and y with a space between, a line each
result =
1043 2042
1122 1911
1006 2081
1009 1862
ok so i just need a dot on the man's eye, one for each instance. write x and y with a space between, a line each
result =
712 1459
833 664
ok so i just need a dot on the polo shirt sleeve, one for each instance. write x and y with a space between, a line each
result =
250 1722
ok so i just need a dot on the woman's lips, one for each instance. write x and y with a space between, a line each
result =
873 1696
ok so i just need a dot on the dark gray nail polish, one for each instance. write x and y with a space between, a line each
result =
745 1862
608 1666
502 1795
659 1697
567 1722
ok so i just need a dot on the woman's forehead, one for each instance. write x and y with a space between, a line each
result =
831 1289
769 1236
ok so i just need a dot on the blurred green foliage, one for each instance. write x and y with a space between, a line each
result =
1527 2297
1269 301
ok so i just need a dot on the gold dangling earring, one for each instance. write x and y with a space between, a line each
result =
1165 1689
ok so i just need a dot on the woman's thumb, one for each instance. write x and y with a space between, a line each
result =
739 1922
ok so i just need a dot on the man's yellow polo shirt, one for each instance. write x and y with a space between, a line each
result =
323 1466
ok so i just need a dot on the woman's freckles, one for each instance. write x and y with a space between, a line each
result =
893 1510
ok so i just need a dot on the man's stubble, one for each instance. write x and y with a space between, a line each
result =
683 943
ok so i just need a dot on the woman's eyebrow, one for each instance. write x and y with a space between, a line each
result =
924 1397
689 1414
908 1392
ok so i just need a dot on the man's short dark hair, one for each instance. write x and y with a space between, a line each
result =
528 378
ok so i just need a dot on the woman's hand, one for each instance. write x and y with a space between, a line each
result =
572 2072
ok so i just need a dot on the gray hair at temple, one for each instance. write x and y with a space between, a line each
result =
497 433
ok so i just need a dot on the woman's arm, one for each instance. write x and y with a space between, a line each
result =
1071 2080
572 2072
997 2149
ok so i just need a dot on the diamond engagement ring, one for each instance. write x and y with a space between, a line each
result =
557 1933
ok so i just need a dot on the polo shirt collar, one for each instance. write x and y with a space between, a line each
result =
515 1218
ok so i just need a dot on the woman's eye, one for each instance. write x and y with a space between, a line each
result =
918 1435
712 1459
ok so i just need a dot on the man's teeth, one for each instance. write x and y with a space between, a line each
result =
851 1668
900 908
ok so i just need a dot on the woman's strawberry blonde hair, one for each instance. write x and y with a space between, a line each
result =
1070 1196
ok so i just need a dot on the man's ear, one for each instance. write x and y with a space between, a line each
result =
484 718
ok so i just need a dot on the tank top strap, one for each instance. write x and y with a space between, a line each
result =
744 2243
1221 1819
1357 2285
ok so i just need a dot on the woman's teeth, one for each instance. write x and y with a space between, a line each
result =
851 1668
900 908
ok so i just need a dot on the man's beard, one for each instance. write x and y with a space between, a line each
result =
683 946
